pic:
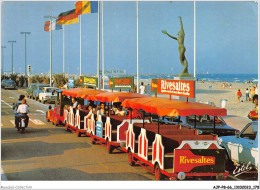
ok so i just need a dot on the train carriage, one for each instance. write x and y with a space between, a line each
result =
174 151
75 119
110 129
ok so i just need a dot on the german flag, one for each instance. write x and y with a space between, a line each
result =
69 17
83 7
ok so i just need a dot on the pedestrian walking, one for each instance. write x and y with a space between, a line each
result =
239 94
142 89
247 95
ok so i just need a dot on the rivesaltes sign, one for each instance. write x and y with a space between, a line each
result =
184 88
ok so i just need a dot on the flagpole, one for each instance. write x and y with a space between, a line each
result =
137 48
50 28
194 38
103 65
50 51
98 45
80 46
63 50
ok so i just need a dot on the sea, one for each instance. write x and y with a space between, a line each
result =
237 78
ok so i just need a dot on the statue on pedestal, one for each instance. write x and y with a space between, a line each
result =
182 49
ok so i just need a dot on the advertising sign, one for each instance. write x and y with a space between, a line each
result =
121 83
115 72
184 88
71 83
185 160
99 129
88 81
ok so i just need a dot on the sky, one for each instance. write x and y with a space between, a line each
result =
226 37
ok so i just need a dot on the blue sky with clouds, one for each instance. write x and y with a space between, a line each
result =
227 40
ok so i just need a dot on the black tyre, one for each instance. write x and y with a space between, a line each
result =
92 139
130 159
109 147
78 134
157 172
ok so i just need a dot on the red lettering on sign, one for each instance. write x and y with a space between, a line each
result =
124 81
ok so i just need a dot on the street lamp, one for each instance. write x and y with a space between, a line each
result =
12 55
2 47
50 17
25 52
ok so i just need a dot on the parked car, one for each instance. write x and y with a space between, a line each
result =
34 90
48 94
204 123
8 84
243 148
3 83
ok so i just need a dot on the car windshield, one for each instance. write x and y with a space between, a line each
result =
50 90
10 82
250 132
41 87
205 120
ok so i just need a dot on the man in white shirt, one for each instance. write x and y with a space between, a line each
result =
22 110
142 89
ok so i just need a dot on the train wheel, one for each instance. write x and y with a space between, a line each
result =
130 159
78 133
92 139
158 173
66 127
109 147
56 122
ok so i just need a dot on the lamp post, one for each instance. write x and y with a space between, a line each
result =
2 47
50 17
12 55
25 55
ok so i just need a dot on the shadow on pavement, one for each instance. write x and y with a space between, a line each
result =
59 174
25 150
12 133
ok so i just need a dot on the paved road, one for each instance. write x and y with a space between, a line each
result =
46 152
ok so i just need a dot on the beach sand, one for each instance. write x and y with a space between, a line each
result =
214 92
218 93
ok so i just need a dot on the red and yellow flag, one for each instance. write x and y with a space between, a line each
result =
83 7
69 17
47 26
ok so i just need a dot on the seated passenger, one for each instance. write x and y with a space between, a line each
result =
90 108
75 103
79 107
114 109
120 111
